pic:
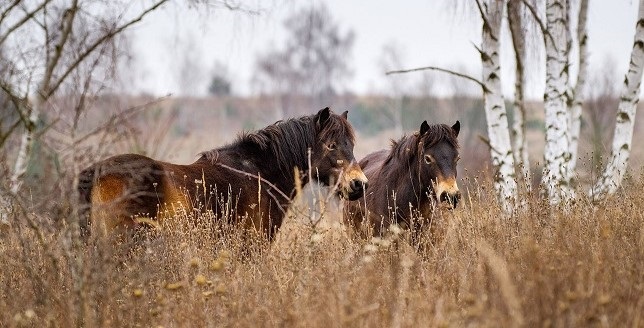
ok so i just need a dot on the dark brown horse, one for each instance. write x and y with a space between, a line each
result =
250 181
409 180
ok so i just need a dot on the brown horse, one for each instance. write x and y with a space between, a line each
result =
407 181
250 181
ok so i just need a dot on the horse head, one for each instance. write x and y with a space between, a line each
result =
437 158
332 159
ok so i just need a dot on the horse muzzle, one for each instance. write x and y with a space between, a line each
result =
450 199
355 183
447 193
356 189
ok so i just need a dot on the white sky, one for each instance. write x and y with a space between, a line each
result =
425 30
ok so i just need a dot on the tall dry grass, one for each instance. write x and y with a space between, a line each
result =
582 266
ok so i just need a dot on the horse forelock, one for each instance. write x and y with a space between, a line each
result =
336 128
408 146
438 133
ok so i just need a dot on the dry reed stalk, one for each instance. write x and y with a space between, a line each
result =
499 268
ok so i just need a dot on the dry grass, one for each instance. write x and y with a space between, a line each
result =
544 267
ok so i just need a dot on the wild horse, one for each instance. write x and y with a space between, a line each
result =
253 177
408 181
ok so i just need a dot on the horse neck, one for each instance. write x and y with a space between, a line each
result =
409 187
282 176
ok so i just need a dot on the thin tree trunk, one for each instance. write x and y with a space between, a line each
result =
26 145
578 91
613 174
516 24
495 113
556 178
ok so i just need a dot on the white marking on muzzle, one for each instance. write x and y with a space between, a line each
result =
448 186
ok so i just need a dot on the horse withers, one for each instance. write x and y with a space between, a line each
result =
250 181
409 181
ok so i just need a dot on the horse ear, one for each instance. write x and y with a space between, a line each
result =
323 116
424 127
345 114
456 127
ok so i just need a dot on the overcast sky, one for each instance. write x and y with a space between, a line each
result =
427 32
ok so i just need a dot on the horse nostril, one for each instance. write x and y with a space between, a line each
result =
357 185
450 198
456 199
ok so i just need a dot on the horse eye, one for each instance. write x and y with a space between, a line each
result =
429 159
331 146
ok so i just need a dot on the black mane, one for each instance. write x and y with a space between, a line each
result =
289 141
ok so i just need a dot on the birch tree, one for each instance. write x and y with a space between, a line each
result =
495 112
556 176
613 174
517 27
577 93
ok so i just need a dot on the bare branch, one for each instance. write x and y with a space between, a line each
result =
257 177
486 141
4 137
17 101
20 22
98 42
116 118
280 192
80 106
486 23
6 12
66 26
434 68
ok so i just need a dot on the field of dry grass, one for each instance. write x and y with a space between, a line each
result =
578 266
583 266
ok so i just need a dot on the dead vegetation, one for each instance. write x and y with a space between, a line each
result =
542 267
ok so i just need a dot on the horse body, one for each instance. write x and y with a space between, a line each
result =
250 181
407 181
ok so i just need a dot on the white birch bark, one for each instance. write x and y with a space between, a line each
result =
495 113
578 91
556 179
520 145
613 174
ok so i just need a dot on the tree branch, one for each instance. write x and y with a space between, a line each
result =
487 142
4 137
66 26
98 42
20 22
486 23
116 117
6 12
16 100
434 68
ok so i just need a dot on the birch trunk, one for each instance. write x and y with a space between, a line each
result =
26 145
613 174
556 179
495 113
578 91
520 148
